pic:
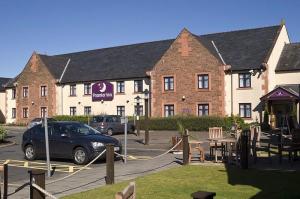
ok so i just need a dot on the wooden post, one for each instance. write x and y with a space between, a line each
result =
146 123
110 170
186 147
37 177
5 181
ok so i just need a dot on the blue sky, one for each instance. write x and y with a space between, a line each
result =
62 26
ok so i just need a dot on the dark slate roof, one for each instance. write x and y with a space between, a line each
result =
289 58
242 49
3 82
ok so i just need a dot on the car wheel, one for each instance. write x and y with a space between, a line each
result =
30 152
110 132
80 156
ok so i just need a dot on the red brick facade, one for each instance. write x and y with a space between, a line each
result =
184 61
35 75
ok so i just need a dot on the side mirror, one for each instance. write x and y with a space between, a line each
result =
64 135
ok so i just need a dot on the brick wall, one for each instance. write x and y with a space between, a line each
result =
34 75
185 59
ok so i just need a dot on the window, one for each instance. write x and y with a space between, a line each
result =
73 90
87 110
13 113
72 111
25 92
203 82
25 112
169 83
203 109
43 91
121 110
244 80
120 87
138 86
169 110
43 112
13 93
87 89
141 111
245 110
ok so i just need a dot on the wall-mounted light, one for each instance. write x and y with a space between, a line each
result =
32 103
127 101
102 101
79 103
183 98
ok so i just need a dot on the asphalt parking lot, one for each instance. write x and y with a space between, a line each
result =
159 143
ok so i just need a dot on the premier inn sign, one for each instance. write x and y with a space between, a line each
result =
102 91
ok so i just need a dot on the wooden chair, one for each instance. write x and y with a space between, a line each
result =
195 147
213 133
128 193
290 145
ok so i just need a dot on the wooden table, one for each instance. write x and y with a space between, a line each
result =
222 140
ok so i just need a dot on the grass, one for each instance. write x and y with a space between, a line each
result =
226 182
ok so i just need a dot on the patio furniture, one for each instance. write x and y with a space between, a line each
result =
289 144
214 134
203 195
195 146
128 193
255 145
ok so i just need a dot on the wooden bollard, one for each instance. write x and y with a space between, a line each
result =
186 147
110 167
37 177
5 180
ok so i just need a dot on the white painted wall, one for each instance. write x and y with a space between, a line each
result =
10 104
107 107
243 95
283 39
287 78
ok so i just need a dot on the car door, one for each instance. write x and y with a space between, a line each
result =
38 139
62 141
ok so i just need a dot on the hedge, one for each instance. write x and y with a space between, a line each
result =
192 123
2 133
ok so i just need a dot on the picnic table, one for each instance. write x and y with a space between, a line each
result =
225 140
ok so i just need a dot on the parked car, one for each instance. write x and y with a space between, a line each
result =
38 120
110 124
69 140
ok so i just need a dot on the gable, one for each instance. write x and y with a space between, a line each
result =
280 93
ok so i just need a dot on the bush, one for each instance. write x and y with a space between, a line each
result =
3 134
79 118
193 123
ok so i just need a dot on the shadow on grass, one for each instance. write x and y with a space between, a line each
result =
272 183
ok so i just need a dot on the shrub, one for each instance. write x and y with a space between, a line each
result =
193 123
79 118
3 133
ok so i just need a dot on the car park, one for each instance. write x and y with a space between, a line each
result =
68 140
110 124
37 121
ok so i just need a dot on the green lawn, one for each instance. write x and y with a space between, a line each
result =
228 183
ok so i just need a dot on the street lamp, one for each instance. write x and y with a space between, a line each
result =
146 97
137 101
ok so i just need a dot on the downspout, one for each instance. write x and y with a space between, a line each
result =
62 88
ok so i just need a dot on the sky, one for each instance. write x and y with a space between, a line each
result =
64 26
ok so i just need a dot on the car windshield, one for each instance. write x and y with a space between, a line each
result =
78 128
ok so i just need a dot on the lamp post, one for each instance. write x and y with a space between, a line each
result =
146 97
137 101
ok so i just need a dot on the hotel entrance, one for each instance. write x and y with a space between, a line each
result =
281 105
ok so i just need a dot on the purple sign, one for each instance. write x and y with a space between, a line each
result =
102 90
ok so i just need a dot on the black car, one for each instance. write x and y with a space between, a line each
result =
70 140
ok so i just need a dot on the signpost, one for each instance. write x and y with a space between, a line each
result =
47 146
